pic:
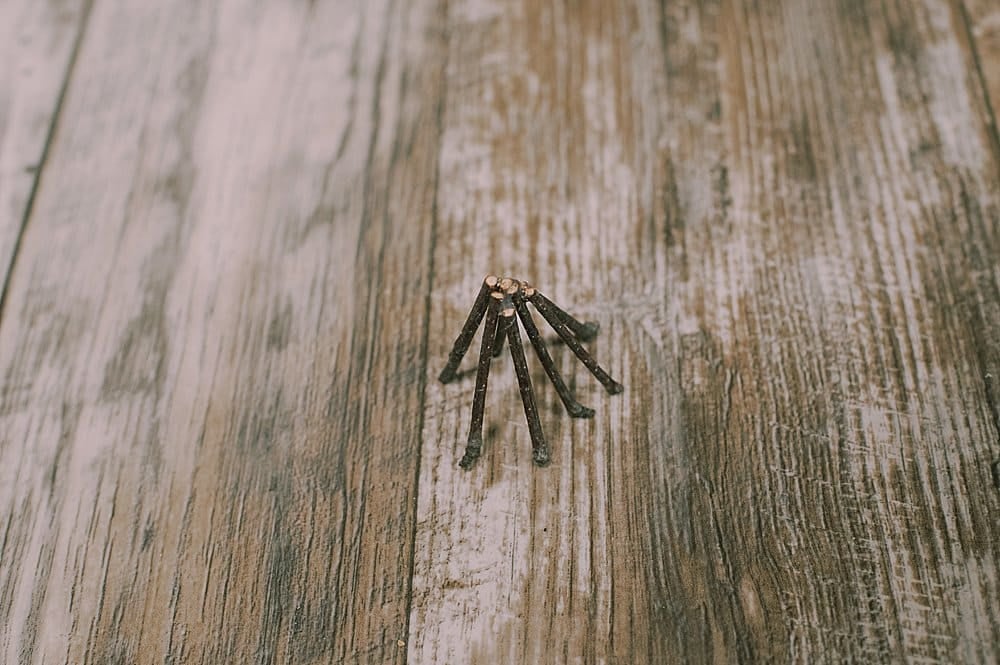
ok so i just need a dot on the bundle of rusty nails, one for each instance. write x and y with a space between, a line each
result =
499 299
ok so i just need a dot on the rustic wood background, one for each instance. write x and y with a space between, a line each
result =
239 237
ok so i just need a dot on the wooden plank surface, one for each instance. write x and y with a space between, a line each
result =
37 46
546 156
773 223
207 319
260 225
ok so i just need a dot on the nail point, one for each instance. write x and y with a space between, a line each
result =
472 452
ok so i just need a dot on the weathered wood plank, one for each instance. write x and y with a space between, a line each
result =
550 171
37 42
785 216
856 438
213 363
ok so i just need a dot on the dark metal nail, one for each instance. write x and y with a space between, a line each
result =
574 408
542 304
539 448
583 331
475 444
464 339
508 287
498 341
502 301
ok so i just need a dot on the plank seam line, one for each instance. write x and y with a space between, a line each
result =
439 126
43 158
977 63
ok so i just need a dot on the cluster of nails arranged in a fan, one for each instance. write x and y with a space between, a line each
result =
499 300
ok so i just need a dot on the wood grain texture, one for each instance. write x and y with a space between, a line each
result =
207 318
544 152
37 46
260 225
785 217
